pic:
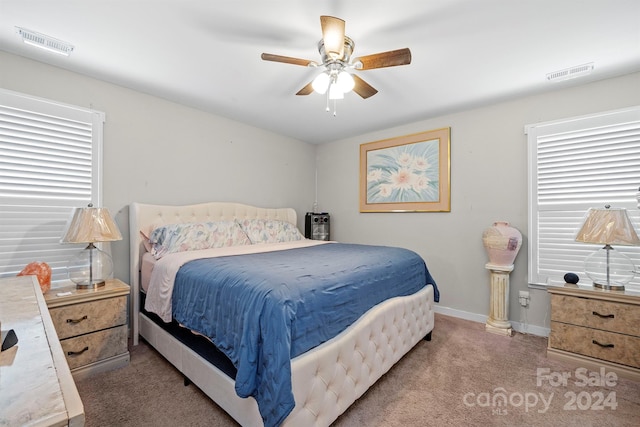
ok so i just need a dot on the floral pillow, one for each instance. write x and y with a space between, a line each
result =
194 236
270 230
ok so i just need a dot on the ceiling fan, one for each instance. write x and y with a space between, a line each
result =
335 51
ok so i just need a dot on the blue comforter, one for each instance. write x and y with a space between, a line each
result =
263 309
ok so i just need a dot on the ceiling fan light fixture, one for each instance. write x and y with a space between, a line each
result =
321 83
337 77
345 81
335 91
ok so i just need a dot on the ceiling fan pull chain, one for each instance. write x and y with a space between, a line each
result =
327 109
335 103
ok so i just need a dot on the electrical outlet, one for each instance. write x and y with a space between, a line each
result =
524 298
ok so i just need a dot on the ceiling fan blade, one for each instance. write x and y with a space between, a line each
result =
391 58
333 36
362 88
308 89
288 60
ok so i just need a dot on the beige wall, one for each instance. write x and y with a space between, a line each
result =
488 183
161 152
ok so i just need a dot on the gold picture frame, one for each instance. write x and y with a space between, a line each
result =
410 173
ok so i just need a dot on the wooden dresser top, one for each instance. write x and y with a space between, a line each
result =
36 387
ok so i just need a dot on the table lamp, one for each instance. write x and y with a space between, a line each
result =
608 268
92 266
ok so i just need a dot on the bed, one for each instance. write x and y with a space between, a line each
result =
321 380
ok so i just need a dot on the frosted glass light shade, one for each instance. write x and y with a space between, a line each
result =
346 82
335 92
321 83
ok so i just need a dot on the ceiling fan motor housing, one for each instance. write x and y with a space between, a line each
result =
346 57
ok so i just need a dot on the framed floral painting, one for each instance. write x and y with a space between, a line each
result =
410 173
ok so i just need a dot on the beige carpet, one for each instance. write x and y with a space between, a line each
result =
450 381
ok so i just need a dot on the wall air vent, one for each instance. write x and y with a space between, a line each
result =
571 73
45 42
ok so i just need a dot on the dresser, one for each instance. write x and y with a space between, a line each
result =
596 328
36 386
92 326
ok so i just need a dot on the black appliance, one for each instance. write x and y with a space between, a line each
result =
316 226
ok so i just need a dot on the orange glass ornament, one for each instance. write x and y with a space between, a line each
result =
42 271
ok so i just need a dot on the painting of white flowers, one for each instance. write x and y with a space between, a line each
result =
406 174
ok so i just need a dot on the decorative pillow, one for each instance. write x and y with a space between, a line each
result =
196 235
270 230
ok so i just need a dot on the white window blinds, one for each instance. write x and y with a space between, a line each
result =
576 164
50 162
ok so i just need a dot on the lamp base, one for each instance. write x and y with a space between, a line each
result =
609 286
91 268
94 285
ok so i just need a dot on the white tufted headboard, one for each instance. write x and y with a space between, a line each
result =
142 217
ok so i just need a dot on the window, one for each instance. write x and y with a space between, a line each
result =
576 164
50 163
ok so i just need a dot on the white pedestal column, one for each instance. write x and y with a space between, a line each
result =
498 321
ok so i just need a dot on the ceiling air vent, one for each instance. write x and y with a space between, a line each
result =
570 73
45 42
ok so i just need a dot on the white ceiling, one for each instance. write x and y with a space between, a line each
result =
206 54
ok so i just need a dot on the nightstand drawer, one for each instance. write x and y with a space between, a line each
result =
90 348
618 348
78 319
605 315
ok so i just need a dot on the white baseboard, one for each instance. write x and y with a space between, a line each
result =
481 318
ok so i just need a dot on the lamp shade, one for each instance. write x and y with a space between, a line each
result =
90 225
607 226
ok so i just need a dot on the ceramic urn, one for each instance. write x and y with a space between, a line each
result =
502 243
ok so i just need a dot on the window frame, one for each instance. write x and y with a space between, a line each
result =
567 212
11 101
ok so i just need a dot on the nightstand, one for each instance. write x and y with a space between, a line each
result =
92 326
596 328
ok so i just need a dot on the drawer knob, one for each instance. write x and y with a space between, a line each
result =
604 316
603 345
78 353
77 320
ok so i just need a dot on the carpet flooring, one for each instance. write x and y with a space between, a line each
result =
463 377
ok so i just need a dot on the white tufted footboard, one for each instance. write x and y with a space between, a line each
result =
329 378
326 380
